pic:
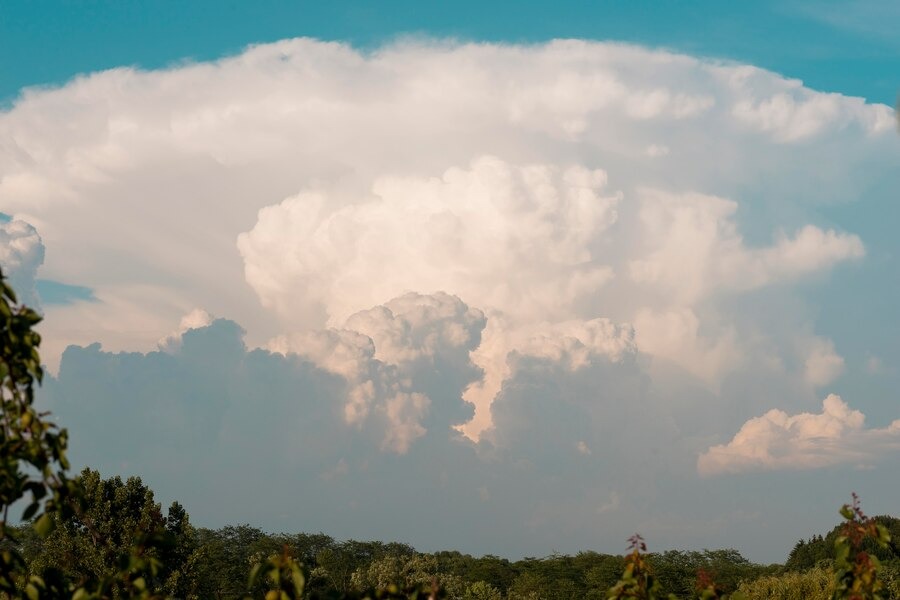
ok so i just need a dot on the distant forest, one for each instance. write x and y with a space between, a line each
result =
206 563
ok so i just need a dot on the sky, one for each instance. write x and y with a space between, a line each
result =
514 279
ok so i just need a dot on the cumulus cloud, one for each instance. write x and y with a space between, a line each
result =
498 235
530 244
696 249
21 253
195 319
777 441
674 335
396 358
797 114
822 364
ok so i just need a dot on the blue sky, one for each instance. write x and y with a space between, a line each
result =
642 277
848 47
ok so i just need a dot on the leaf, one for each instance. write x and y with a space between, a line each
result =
254 573
44 525
299 580
30 510
32 592
80 594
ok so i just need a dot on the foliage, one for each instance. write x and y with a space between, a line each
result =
821 549
32 450
856 571
637 581
815 584
284 576
481 590
33 463
684 573
407 571
113 520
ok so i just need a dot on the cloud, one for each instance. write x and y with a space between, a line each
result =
823 364
674 335
397 357
195 319
326 137
21 253
696 249
778 441
209 407
499 235
875 365
596 256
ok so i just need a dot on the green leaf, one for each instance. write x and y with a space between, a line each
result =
299 580
254 573
44 525
32 592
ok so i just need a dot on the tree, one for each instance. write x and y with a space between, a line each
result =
481 590
33 469
32 450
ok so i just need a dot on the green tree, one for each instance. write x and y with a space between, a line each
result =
33 469
481 590
112 520
814 584
406 571
32 450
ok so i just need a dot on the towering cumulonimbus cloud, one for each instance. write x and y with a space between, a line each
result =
595 259
533 246
516 240
326 137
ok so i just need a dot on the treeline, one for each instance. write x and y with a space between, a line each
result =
213 563
207 563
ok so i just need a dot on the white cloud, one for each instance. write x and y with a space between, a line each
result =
696 249
195 319
576 344
790 112
405 413
181 174
675 335
777 441
396 359
497 235
21 253
823 364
